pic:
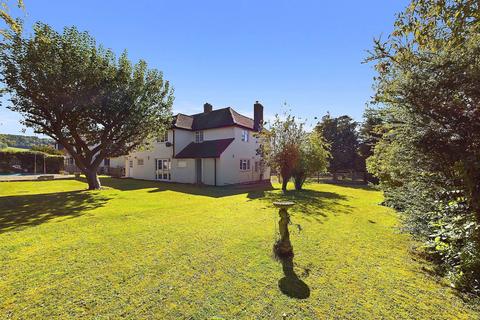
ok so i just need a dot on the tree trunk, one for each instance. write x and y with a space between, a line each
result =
92 179
334 173
299 180
284 183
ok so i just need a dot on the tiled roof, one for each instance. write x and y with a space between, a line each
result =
183 121
215 119
205 149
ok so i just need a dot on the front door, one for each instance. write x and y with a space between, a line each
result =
162 169
198 169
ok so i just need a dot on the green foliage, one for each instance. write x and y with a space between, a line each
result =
26 142
47 149
79 94
341 134
13 24
141 250
289 150
280 148
3 143
313 159
428 159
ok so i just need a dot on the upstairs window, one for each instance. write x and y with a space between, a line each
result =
244 164
198 136
245 135
164 137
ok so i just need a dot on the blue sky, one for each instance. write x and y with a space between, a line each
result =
231 53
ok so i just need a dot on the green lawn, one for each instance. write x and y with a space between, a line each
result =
151 250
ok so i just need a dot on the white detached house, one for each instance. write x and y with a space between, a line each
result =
216 147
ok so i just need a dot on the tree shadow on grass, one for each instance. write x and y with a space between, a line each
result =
348 184
253 191
312 203
21 211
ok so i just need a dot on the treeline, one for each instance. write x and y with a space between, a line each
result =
424 131
348 144
338 145
20 141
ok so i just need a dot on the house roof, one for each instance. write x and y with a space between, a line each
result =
205 149
214 119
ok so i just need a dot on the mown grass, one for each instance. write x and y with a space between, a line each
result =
141 250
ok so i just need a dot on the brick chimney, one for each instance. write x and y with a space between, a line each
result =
207 107
257 116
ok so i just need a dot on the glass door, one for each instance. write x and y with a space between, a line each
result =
162 169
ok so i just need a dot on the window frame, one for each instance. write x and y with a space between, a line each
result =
140 160
245 135
244 164
199 136
164 138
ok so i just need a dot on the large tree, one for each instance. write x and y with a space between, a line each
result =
428 84
291 151
280 147
313 158
341 134
370 133
79 94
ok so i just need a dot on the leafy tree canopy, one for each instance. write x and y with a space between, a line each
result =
428 86
292 152
79 94
341 134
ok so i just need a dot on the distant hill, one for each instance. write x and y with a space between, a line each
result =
19 141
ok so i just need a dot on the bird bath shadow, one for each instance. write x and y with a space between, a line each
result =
291 285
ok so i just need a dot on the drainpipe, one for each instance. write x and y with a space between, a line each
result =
215 170
173 143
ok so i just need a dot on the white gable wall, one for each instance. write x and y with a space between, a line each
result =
228 166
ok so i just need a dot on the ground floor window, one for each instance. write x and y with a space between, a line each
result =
181 163
244 164
162 169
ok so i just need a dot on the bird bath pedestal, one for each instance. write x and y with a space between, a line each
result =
283 248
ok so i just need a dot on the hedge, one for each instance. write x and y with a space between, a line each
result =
13 160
